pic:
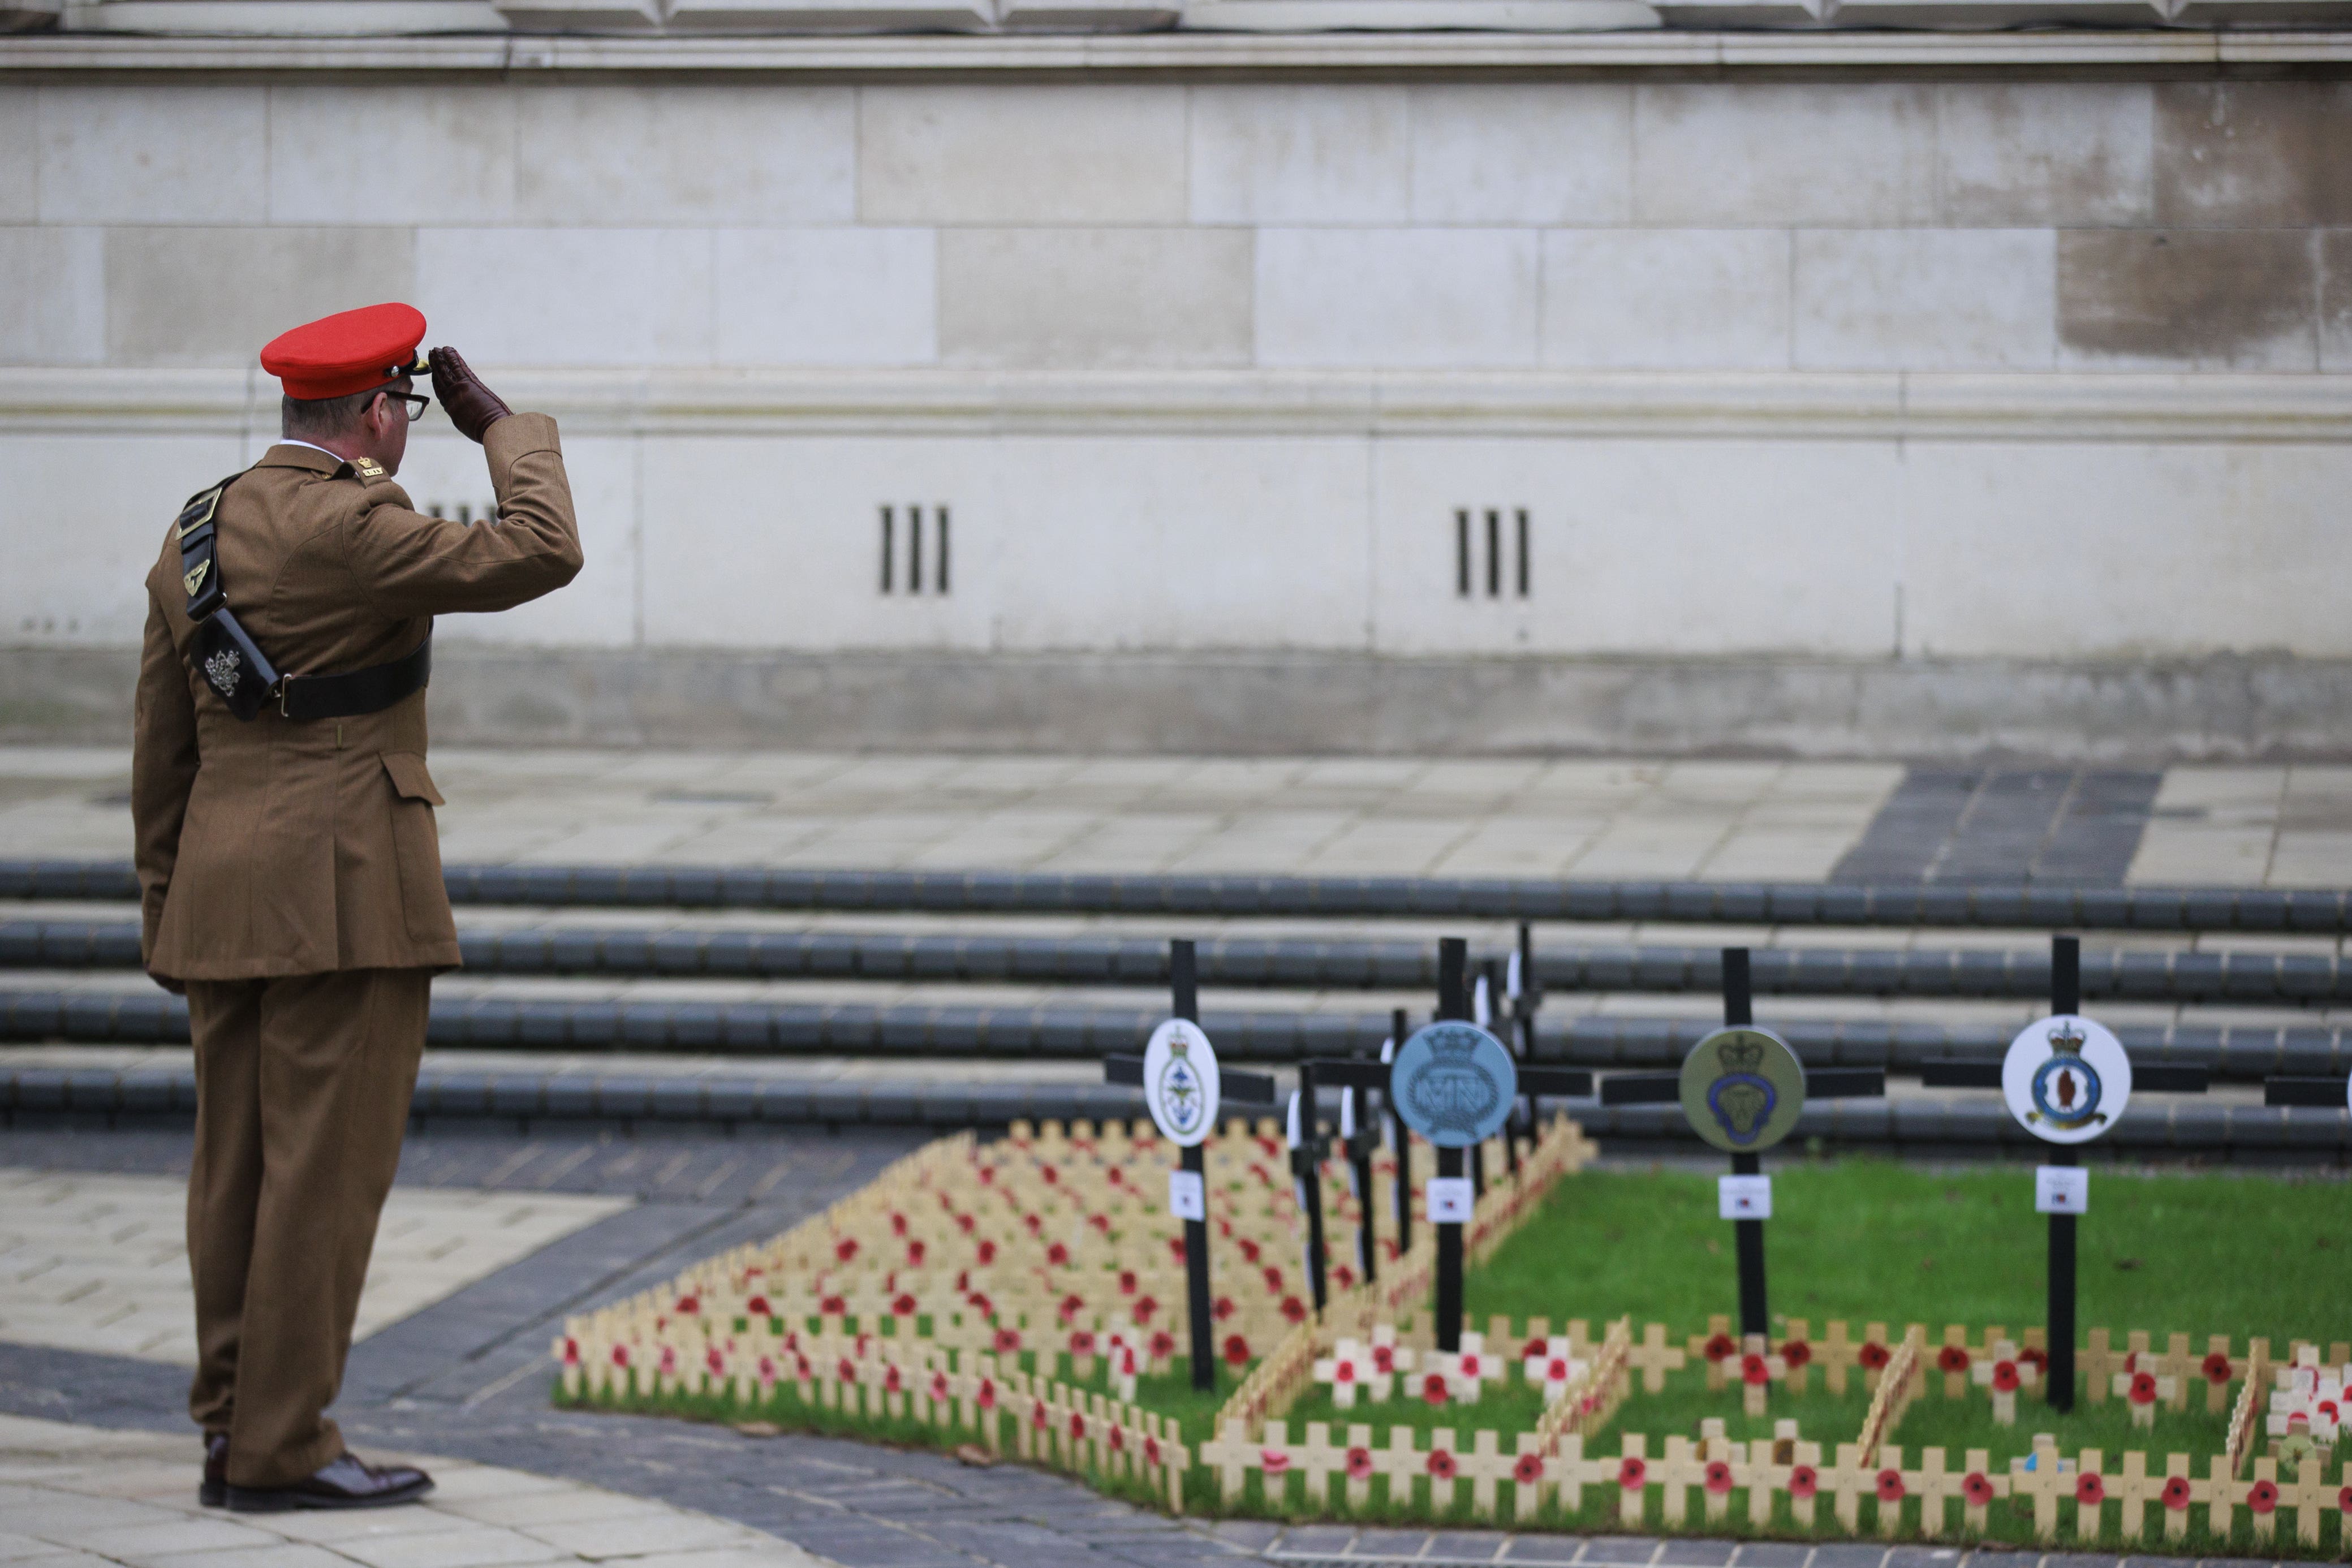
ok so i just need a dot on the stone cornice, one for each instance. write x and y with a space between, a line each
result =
1537 405
2166 52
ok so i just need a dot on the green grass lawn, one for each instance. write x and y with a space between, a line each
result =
1869 1241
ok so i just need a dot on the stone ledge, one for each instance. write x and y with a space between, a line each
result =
2188 52
1907 406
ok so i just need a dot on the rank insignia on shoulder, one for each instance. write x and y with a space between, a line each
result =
194 579
367 468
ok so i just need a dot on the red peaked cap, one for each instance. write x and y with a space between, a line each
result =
351 351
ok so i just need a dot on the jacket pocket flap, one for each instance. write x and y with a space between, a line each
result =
409 779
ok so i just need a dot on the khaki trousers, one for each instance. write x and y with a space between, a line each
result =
302 1090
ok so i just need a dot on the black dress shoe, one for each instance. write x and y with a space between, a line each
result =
213 1492
346 1483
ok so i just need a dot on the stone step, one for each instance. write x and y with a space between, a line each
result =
2321 911
952 1034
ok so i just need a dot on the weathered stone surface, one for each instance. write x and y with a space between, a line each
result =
327 146
52 308
1924 298
2335 301
20 155
2061 153
2237 299
1096 296
645 154
1557 154
1397 297
2253 154
570 295
1709 155
153 153
1021 154
1667 298
214 296
1305 155
825 296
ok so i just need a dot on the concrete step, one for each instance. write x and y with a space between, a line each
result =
2255 977
153 1088
490 1019
2319 912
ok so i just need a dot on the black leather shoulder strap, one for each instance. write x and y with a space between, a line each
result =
196 528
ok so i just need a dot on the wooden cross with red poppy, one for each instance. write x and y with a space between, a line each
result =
2004 1372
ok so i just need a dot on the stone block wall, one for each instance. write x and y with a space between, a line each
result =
1869 368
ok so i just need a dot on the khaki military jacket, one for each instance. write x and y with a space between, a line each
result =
276 848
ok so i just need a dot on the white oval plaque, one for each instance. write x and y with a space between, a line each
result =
2066 1078
1180 1081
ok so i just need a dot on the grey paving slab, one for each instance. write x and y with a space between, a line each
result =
1695 1554
1771 1554
1542 1549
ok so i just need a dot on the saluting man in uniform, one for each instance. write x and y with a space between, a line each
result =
289 872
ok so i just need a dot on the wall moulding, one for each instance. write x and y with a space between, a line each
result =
1665 405
2184 52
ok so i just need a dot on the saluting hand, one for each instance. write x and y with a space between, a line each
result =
472 407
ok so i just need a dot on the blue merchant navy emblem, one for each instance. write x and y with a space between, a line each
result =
1741 1098
1181 1098
2066 1088
1454 1092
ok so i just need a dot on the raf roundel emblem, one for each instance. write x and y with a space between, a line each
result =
1742 1089
1453 1084
2066 1078
1180 1081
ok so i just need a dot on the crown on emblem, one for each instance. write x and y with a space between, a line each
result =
1740 1055
1453 1045
1179 1046
2067 1040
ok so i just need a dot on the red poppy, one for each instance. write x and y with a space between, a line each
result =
1077 1425
2343 1499
940 1386
2263 1497
1384 1358
1058 1255
964 1223
1631 1474
832 1307
987 1252
1440 1464
687 1306
1248 1249
1176 1248
1007 1340
1359 1464
1222 1309
1142 1309
1294 1310
1127 1281
1072 1305
897 1223
2217 1368
1718 1477
1721 1348
1534 1349
980 1303
1236 1350
1037 1415
1796 1353
1051 1174
1977 1488
1752 1370
1119 1439
1342 1276
1163 1343
845 1370
845 1249
1556 1370
891 1383
571 1353
1082 1341
1952 1358
915 1251
987 1394
2005 1379
1528 1470
1273 1279
2090 1490
1873 1355
1890 1485
1433 1388
2176 1492
2143 1388
757 1307
903 1305
1152 1450
2036 1357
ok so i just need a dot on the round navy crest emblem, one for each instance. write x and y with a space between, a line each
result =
1454 1083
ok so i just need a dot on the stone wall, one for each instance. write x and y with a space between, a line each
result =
2043 367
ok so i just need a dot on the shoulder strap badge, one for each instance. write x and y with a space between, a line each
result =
367 468
194 578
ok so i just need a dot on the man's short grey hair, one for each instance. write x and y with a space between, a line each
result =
324 418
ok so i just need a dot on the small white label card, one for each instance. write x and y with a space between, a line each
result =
2061 1189
1450 1199
1744 1197
1188 1195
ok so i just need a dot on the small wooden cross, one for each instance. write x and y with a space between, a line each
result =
2004 1373
1548 1363
1759 1368
2044 1478
1655 1358
1347 1369
2142 1390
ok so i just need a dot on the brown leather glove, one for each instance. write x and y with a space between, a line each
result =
472 407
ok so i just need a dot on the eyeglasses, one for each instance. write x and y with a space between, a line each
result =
417 402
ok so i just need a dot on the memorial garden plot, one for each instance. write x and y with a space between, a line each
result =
1026 1296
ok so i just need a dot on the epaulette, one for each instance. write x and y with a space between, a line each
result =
367 470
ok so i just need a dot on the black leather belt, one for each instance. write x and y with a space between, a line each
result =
369 690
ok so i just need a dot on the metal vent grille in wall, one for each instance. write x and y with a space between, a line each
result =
1491 553
915 550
